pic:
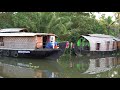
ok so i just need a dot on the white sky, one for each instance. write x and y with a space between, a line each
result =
98 15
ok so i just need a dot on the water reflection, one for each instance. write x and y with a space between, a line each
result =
101 67
28 68
65 67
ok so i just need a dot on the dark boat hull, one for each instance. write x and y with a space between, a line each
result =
88 53
40 53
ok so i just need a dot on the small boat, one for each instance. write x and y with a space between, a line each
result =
18 42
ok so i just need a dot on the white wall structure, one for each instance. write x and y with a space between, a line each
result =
102 39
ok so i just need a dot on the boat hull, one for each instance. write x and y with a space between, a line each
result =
89 53
37 53
40 53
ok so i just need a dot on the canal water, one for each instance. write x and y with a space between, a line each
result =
64 67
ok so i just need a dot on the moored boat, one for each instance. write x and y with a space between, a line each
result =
97 44
18 42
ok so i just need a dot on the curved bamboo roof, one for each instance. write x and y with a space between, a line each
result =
99 38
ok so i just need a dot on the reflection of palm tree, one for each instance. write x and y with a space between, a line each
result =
76 64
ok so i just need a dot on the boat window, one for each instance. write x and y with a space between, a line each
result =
108 44
114 45
97 46
45 40
1 41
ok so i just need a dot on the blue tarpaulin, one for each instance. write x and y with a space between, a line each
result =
50 44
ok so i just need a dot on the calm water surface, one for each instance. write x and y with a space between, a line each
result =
64 67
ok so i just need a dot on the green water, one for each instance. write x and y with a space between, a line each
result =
64 67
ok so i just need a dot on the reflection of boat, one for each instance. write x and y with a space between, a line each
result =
16 68
76 67
102 65
86 67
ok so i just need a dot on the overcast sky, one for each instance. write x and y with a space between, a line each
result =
98 15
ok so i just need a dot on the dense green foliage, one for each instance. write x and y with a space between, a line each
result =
67 25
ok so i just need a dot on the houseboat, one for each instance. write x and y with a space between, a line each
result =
97 44
18 42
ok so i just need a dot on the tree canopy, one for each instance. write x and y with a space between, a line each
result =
67 25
